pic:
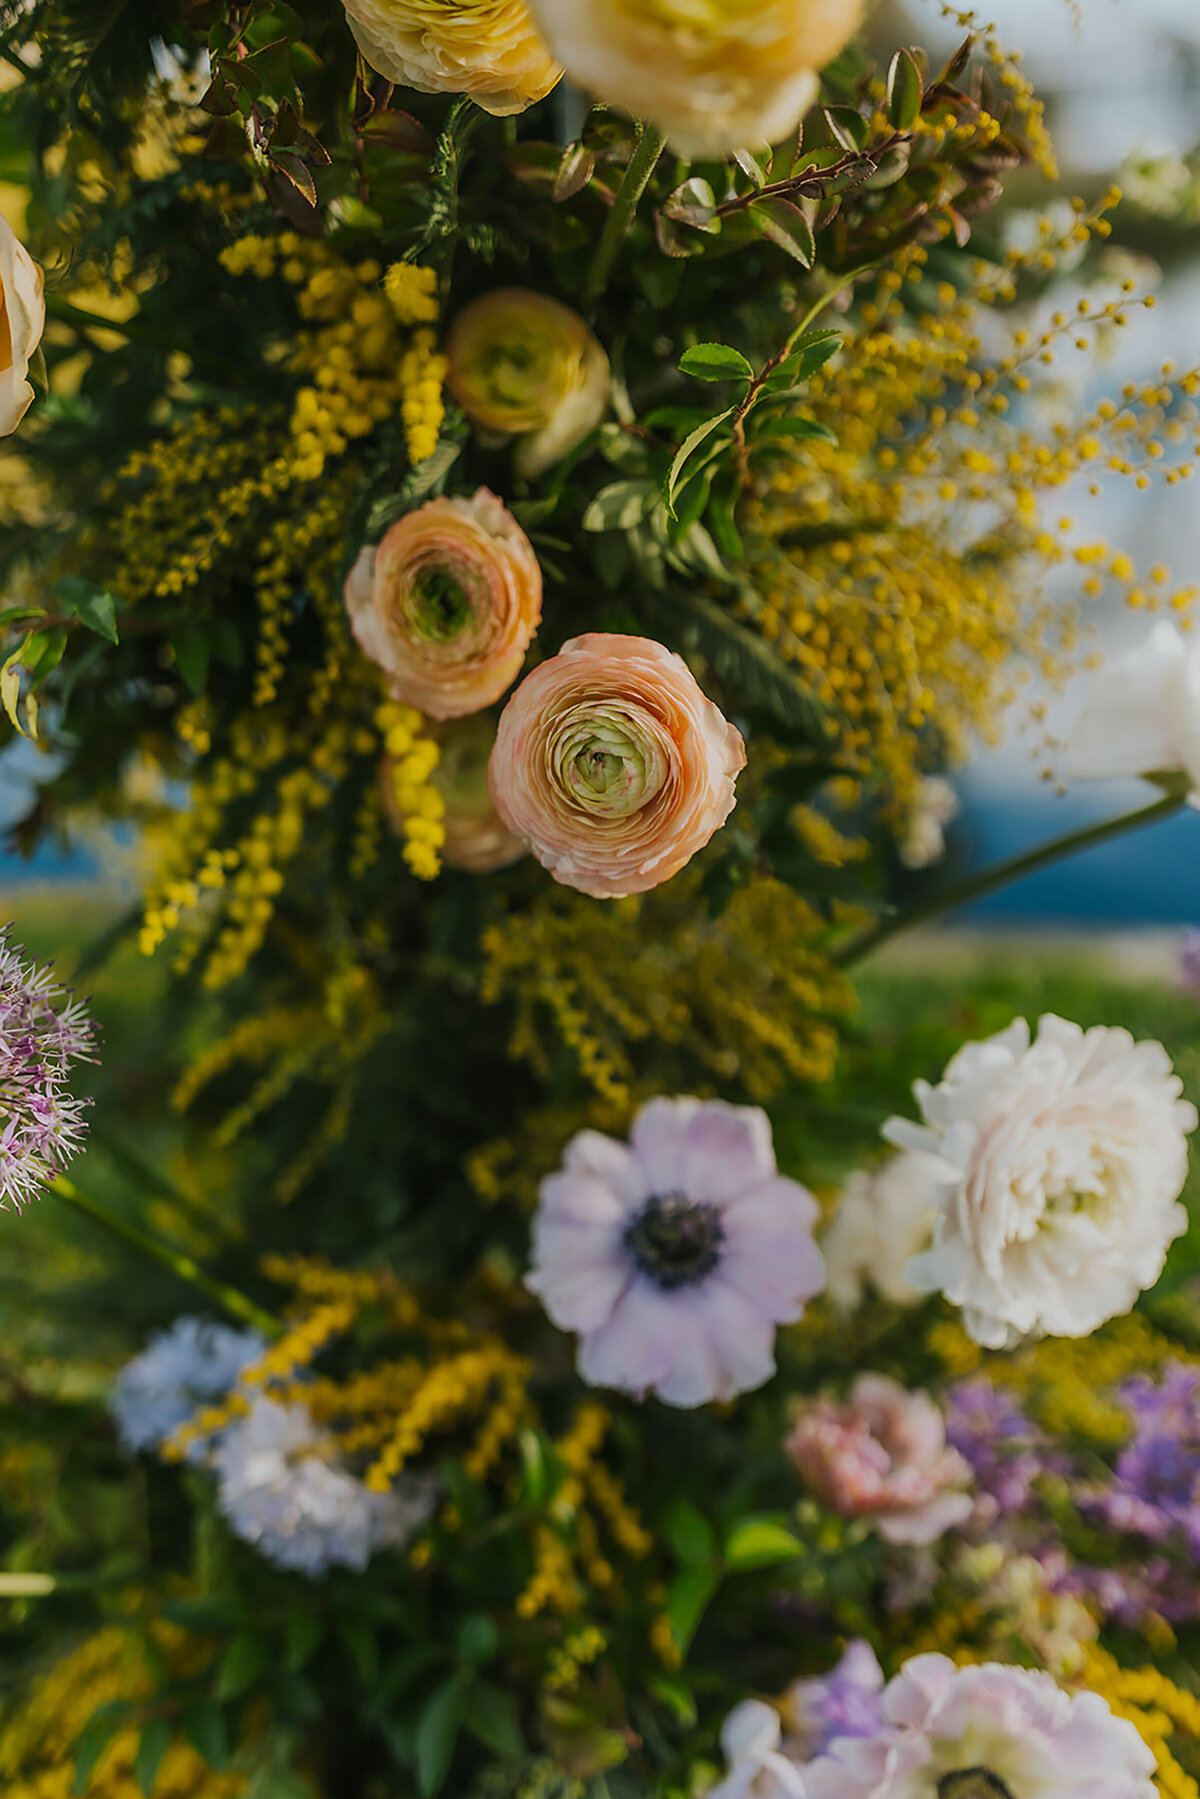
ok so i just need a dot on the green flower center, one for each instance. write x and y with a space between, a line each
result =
973 1783
676 1241
441 605
609 766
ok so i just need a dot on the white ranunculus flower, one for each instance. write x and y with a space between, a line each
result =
22 319
1141 713
924 839
714 75
1062 1160
885 1217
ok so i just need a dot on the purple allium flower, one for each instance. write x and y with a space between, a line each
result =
675 1256
987 1732
42 1032
847 1702
1188 973
1000 1443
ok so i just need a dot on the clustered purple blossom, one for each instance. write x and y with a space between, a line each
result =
846 1702
1156 1490
42 1032
1005 1449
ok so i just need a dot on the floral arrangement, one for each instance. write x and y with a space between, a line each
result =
516 510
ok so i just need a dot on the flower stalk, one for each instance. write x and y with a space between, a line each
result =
1002 874
180 1264
642 164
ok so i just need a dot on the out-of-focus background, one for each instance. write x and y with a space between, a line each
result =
1122 82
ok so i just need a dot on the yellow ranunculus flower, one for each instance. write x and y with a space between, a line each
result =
715 75
22 318
524 365
489 49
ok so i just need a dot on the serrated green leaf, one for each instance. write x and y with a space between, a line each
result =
904 91
751 167
491 1715
786 227
716 362
152 1746
760 1543
797 428
92 605
690 1533
848 126
806 357
687 450
437 1734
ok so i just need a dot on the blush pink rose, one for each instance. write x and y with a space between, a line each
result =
447 604
883 1456
612 765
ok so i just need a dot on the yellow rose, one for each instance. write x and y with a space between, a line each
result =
489 49
523 365
22 318
714 75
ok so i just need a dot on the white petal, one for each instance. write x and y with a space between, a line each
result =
1125 727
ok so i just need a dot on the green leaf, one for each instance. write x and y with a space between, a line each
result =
360 1640
207 1730
694 204
751 167
716 362
620 506
674 1693
402 1672
685 452
760 1543
492 1717
155 1741
94 1739
904 91
786 227
92 605
43 652
478 1640
10 688
798 428
304 1632
437 1733
688 1598
848 126
19 615
574 171
240 1666
808 355
191 649
690 1534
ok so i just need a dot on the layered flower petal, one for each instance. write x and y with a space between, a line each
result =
715 75
612 765
448 603
489 49
22 320
523 365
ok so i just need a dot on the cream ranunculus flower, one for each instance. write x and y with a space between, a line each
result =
524 365
22 319
612 765
714 75
1062 1160
489 49
447 604
477 839
1141 713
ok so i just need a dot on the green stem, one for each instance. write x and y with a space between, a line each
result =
642 164
973 887
817 308
134 329
235 1303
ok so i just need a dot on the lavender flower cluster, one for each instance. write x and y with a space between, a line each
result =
42 1032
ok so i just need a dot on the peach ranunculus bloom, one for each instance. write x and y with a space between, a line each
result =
489 49
524 365
883 1455
714 75
612 765
447 604
477 839
22 319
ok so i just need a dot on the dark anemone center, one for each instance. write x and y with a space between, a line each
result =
676 1241
973 1783
443 604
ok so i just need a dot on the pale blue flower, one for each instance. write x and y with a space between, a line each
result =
194 1363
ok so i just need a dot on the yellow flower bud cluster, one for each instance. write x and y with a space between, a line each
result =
579 1651
412 292
1157 1708
40 1734
746 996
413 759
